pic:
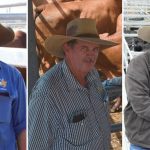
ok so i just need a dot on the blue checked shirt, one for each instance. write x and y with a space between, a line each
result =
63 115
12 106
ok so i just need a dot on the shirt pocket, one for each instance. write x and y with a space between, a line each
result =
5 109
83 132
77 133
145 126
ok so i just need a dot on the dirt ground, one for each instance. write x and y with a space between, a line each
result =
116 138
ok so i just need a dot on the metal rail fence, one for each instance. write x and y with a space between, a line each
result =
14 20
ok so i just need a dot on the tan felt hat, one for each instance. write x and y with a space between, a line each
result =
144 33
81 29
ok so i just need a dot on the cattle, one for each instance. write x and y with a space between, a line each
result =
110 59
52 19
41 2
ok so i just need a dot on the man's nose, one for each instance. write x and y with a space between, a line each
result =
92 51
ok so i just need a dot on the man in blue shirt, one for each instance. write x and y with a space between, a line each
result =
12 106
68 107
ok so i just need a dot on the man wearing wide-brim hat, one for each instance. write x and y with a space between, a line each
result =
137 111
6 35
12 102
68 107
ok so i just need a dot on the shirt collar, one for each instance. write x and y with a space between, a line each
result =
72 83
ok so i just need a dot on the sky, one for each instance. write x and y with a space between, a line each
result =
15 24
20 9
11 1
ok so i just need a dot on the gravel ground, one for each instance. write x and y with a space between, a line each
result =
116 138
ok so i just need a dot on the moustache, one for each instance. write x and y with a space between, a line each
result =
90 60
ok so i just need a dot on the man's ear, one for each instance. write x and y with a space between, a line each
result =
65 47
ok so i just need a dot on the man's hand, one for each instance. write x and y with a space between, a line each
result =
21 140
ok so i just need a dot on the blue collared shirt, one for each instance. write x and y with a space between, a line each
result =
63 115
12 106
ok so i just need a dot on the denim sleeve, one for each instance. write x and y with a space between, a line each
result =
19 106
113 87
117 81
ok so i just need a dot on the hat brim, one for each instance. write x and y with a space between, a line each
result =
54 43
6 35
144 33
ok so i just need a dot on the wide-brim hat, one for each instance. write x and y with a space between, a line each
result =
144 33
6 35
81 29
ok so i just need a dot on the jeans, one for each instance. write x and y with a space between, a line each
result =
134 147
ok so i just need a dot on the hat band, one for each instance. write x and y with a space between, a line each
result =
86 35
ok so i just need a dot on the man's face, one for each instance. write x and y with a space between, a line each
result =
82 55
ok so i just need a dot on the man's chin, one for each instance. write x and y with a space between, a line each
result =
89 66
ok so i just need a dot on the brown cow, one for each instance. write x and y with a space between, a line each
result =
41 2
110 59
54 17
